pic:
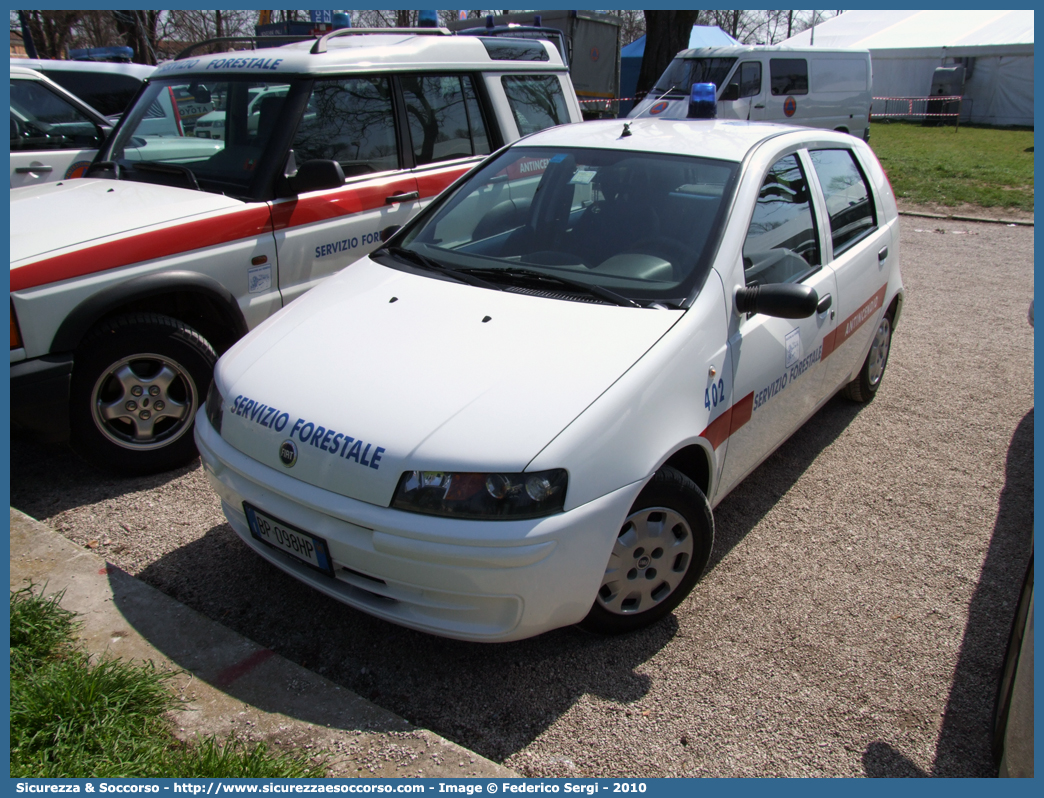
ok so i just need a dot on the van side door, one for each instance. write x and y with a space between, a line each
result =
788 90
744 94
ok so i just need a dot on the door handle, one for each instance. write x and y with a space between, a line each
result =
21 170
824 303
882 254
760 105
402 196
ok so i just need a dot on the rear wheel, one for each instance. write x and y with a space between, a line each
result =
864 387
660 552
137 383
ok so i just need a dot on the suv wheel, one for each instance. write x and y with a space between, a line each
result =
137 383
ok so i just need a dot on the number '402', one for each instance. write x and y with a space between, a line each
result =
714 395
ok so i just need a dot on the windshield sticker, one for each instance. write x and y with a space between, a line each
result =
259 279
583 177
245 63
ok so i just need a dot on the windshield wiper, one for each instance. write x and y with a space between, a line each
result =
419 259
168 169
530 276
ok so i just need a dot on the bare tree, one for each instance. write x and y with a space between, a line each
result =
666 33
52 31
632 25
139 31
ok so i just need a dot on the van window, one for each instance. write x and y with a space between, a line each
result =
782 244
789 76
848 201
678 78
349 120
108 93
444 117
536 101
749 76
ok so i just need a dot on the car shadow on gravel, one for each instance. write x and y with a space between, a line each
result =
36 492
966 732
761 490
492 698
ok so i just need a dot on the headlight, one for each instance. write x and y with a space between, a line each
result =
215 406
482 496
218 123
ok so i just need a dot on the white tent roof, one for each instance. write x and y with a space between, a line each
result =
956 33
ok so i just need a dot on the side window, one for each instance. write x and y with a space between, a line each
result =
536 101
750 78
349 120
782 245
444 117
848 202
789 76
41 120
108 93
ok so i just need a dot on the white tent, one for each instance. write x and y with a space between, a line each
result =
996 48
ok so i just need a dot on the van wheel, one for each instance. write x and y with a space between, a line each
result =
137 383
660 552
864 387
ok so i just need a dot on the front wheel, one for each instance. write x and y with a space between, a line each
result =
864 387
660 552
137 383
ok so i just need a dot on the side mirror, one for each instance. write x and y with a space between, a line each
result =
782 300
316 175
731 92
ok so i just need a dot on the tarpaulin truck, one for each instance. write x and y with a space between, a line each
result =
593 48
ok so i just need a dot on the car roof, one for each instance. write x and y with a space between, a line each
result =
773 49
141 71
721 139
386 52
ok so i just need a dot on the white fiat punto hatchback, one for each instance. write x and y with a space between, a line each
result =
518 413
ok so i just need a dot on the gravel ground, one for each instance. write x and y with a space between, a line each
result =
852 621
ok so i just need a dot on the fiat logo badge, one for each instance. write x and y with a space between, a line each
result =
288 453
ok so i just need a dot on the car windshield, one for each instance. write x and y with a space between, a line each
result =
678 78
207 135
640 225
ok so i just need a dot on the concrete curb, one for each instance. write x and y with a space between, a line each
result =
961 218
230 685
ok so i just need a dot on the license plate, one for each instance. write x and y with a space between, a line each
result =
202 134
299 544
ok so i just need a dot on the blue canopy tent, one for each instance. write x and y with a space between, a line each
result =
631 59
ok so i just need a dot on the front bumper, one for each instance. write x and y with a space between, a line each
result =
40 395
471 580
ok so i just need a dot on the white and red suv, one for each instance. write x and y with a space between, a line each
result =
127 284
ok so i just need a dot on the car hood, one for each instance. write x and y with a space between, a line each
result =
405 372
53 216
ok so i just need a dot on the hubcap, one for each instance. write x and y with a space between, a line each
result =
651 556
144 402
879 352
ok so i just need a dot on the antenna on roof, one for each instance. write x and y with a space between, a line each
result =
626 130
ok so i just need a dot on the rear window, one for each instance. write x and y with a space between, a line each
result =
107 93
537 102
848 200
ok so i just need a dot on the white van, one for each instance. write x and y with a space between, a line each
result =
811 87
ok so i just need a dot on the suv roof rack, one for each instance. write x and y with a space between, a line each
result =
320 45
254 40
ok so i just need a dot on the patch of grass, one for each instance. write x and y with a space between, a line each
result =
74 717
990 167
